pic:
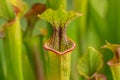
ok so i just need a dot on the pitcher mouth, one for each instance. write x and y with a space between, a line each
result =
47 47
113 62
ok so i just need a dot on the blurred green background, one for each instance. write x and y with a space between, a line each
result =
100 22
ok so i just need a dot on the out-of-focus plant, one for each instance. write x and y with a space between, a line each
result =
6 11
30 40
56 4
114 63
59 45
90 64
31 17
29 61
2 60
79 34
13 44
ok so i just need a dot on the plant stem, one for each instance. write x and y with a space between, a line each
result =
59 66
13 45
33 56
2 76
26 65
43 55
2 59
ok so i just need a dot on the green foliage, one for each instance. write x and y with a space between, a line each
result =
115 48
55 4
59 17
13 50
6 10
90 63
114 63
100 22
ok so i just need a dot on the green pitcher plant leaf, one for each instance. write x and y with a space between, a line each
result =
90 63
59 19
114 63
115 48
13 49
6 10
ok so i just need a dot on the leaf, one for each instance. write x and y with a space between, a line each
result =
58 17
6 10
115 48
90 63
13 50
114 63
